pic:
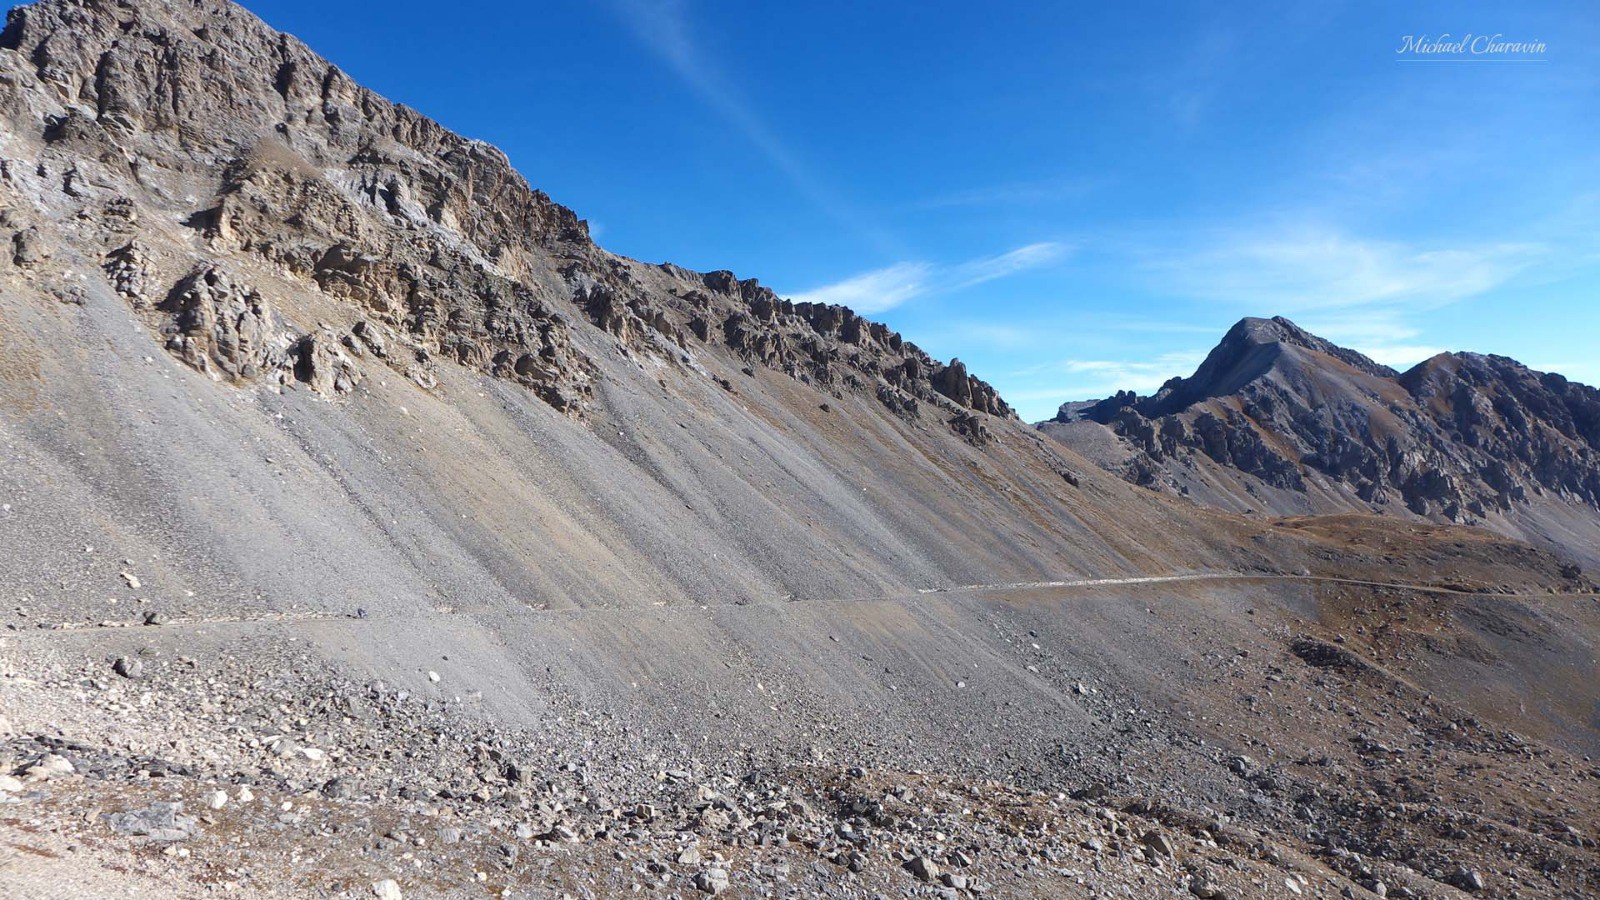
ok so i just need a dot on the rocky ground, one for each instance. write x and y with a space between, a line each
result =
285 780
1312 772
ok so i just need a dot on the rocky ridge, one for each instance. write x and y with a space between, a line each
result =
429 246
1461 437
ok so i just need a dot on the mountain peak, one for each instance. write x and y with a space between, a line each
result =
1458 437
1275 330
1254 348
1278 329
1251 332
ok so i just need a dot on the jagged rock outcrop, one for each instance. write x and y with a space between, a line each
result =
1524 431
130 273
275 160
321 362
225 329
228 330
1460 437
832 347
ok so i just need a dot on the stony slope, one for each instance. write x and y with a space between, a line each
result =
260 323
1279 420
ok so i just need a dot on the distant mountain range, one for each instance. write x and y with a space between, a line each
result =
1277 420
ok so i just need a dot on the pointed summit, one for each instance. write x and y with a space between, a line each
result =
1280 418
1253 349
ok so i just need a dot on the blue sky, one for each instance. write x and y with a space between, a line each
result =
1071 198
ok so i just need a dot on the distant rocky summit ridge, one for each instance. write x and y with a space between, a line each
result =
1461 437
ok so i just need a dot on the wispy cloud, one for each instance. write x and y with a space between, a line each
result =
1317 269
988 268
970 335
888 287
875 291
1584 372
1360 292
663 26
1384 335
1187 91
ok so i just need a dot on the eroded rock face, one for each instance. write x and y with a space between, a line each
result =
275 159
224 328
278 165
227 329
1455 438
320 361
831 346
130 273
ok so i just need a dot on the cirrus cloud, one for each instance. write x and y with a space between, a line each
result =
1315 269
888 287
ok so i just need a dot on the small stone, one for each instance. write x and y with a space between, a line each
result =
155 618
1201 887
1467 879
923 868
217 799
10 784
386 889
128 667
449 835
1158 842
712 881
52 766
131 579
159 822
244 794
433 676
689 856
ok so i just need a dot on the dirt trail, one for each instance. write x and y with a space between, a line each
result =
302 618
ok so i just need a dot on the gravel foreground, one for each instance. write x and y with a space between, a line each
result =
155 773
